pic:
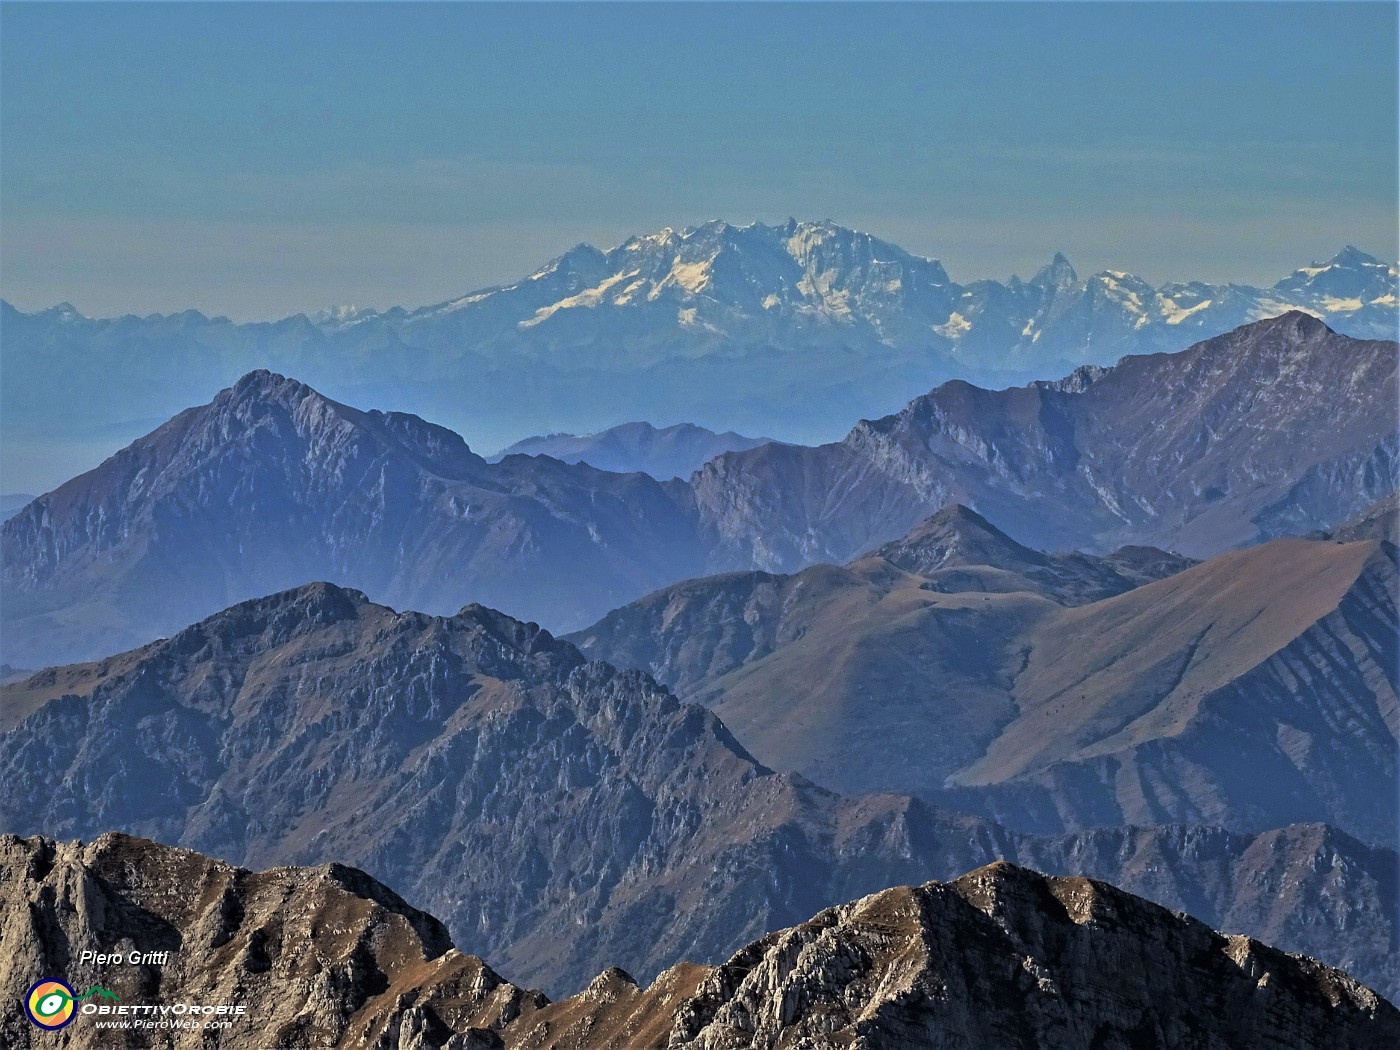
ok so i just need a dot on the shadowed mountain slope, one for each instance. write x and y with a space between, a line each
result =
272 485
1001 956
1276 428
560 815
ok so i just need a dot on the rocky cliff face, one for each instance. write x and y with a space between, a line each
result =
318 957
1005 957
1001 956
561 816
556 812
1276 428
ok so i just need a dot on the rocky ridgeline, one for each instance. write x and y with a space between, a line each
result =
1278 428
561 815
1275 428
327 957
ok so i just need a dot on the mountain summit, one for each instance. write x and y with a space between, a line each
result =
1001 957
273 484
789 330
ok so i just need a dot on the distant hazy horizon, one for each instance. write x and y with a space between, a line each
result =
257 162
1025 273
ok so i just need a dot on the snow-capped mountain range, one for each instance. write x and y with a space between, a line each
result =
758 285
790 330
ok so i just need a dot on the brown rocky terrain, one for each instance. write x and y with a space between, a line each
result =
560 815
320 957
327 957
1054 691
1260 683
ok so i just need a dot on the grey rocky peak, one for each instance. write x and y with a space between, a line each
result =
327 956
322 956
1006 957
272 484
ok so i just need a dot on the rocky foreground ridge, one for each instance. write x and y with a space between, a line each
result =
327 957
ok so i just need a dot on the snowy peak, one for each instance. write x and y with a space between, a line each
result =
1353 257
340 316
733 282
1348 283
1057 275
820 288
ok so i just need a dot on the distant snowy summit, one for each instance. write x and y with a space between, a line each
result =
791 330
694 290
663 452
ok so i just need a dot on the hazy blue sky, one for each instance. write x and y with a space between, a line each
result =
260 159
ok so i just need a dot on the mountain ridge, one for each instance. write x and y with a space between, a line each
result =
672 452
752 329
1182 451
1002 952
561 815
1070 691
273 483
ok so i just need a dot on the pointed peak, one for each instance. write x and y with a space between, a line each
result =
1057 273
955 535
1300 319
961 515
64 311
263 384
300 607
1353 256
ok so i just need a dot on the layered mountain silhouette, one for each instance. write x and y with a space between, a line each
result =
271 485
1280 427
1001 956
1054 691
790 330
663 452
1276 428
563 816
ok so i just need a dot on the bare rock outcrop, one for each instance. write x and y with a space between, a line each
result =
327 957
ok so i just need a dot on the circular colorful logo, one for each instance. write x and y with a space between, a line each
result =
49 1004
